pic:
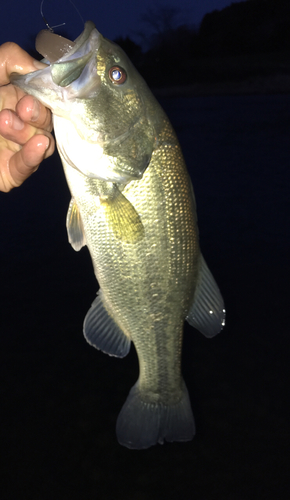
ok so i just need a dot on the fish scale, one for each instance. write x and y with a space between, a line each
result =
133 206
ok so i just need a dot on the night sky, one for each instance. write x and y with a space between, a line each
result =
22 21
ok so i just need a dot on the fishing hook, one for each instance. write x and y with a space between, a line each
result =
50 28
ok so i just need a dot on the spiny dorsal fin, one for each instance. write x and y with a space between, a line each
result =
74 225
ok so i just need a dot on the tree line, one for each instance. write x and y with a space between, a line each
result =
252 30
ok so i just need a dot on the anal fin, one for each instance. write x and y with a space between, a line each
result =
102 332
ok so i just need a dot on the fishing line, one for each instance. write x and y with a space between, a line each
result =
51 28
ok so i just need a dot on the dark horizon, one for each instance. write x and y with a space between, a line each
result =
21 25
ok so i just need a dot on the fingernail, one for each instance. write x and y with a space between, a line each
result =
35 110
47 143
39 65
16 123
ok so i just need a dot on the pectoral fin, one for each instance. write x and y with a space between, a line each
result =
74 225
122 218
207 313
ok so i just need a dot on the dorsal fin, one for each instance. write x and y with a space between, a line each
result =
207 313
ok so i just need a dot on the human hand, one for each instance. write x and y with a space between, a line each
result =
25 124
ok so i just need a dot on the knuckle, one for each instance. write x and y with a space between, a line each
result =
9 46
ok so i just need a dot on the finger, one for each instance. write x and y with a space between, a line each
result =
13 129
15 60
35 150
31 111
26 161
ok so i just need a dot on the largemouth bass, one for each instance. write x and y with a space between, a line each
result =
133 206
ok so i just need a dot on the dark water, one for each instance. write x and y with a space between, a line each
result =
60 398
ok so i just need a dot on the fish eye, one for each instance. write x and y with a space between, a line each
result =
117 75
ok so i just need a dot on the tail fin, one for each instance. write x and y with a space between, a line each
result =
142 424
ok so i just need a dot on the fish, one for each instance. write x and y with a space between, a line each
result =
133 206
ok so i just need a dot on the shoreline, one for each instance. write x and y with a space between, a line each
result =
274 84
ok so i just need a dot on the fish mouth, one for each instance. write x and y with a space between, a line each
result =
73 75
67 70
54 47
